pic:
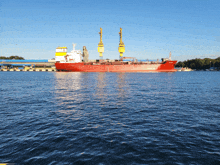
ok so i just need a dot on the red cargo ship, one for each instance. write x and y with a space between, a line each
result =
117 66
72 61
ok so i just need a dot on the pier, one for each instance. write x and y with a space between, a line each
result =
29 70
28 65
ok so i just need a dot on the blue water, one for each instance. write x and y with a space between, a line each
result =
110 118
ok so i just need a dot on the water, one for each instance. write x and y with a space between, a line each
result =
110 118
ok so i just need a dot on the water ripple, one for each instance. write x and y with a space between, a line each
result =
110 118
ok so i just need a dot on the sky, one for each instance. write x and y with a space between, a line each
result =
150 28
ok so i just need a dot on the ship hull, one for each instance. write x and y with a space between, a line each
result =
168 66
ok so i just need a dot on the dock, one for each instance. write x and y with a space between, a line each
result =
27 65
30 70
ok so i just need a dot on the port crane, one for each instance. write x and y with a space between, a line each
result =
121 48
100 45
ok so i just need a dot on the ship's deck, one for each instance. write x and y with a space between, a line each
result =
122 63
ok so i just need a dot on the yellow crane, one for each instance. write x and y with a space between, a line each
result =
100 45
121 48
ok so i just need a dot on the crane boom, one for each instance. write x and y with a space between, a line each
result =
121 48
100 45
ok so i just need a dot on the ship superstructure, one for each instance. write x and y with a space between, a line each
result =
62 56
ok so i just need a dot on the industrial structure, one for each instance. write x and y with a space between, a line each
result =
100 45
121 48
26 65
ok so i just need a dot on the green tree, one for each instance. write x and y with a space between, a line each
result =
199 63
12 57
192 66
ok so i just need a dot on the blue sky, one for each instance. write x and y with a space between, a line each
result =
151 28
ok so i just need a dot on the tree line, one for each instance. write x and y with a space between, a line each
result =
12 58
205 63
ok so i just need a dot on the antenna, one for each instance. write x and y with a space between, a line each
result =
74 45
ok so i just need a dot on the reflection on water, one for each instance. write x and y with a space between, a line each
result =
67 86
81 95
100 91
78 86
65 80
121 84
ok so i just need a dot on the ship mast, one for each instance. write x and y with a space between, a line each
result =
121 48
100 45
170 56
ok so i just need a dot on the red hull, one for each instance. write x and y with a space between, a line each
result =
168 66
